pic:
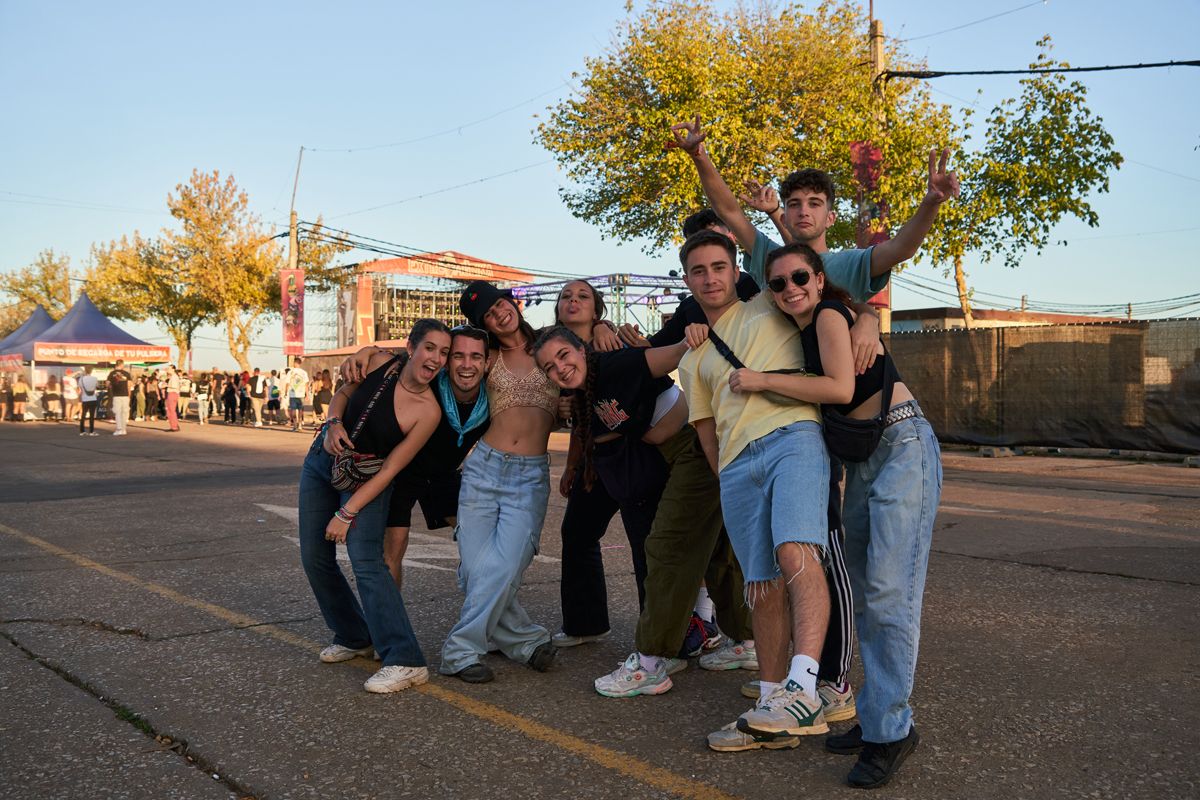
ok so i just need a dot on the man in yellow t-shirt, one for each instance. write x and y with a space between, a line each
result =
774 473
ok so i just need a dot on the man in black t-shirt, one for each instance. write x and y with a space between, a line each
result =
118 390
258 396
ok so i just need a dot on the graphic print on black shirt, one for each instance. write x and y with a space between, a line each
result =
625 392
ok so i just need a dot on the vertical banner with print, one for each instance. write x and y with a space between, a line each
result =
364 311
867 161
291 296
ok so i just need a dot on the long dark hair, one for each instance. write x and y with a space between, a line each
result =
523 327
811 257
420 330
582 399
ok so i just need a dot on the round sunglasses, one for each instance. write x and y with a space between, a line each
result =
800 277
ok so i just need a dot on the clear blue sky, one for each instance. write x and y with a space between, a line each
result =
110 105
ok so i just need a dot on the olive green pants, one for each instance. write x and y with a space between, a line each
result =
688 544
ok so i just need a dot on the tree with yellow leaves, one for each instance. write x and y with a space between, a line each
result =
219 266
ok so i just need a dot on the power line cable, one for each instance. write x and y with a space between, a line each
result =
443 190
453 129
887 75
1164 171
975 22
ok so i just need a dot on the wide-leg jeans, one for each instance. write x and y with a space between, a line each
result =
501 508
381 619
891 501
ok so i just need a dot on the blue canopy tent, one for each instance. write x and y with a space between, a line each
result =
39 322
85 336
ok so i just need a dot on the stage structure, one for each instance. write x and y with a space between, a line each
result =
646 300
387 296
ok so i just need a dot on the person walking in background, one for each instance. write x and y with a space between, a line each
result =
229 399
322 395
139 399
5 398
297 392
70 393
185 393
20 396
51 399
152 391
89 393
172 400
203 397
258 396
273 394
118 390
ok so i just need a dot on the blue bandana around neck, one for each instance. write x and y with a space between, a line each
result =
479 414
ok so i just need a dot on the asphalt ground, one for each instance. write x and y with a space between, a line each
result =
158 639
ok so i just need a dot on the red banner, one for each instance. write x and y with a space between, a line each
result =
291 295
364 311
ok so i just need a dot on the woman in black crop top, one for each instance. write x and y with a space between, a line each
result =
399 413
632 422
891 498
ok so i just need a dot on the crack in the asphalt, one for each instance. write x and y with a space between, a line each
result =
164 740
100 625
1060 568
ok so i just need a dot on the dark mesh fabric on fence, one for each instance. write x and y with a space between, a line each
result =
1131 385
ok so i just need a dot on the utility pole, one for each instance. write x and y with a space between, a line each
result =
875 41
294 231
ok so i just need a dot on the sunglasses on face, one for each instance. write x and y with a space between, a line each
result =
800 277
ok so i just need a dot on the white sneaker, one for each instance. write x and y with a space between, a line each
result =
258 424
734 655
119 433
335 653
730 740
836 706
632 678
395 678
562 639
787 710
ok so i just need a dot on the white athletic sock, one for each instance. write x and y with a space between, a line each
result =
804 673
704 605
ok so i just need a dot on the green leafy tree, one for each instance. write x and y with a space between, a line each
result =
219 266
778 88
45 282
1043 155
142 279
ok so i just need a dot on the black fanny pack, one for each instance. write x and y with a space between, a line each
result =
849 439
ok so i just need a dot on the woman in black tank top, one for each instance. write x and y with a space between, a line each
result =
891 498
391 414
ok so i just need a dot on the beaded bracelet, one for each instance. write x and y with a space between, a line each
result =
345 516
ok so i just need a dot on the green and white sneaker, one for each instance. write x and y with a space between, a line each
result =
631 679
786 710
836 706
730 740
734 655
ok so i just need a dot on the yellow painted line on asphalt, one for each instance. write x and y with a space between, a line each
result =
627 765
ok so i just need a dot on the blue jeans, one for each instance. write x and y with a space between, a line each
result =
774 492
501 508
385 622
891 501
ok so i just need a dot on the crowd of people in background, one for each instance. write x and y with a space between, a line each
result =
287 398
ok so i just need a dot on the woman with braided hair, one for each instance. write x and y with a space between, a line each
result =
631 420
590 506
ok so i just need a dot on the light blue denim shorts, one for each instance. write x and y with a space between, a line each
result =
776 491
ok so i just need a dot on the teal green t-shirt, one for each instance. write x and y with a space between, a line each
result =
849 269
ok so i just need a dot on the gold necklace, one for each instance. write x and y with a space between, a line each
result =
400 380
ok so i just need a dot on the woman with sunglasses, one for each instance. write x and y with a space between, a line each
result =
391 414
890 502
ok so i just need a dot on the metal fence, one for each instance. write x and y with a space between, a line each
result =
1130 385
